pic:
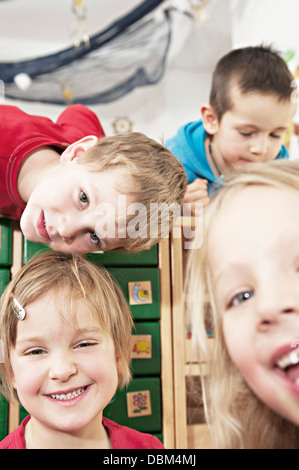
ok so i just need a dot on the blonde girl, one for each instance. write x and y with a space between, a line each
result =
244 282
66 332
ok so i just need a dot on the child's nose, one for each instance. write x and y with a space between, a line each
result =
259 145
274 304
69 227
62 368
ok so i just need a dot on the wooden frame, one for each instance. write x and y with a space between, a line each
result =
195 436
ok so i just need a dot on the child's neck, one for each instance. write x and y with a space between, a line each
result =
39 436
37 164
214 161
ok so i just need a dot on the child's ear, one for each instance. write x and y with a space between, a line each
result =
79 147
209 119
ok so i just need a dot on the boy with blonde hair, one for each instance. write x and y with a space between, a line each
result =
67 182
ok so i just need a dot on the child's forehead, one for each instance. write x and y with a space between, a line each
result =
242 207
65 304
237 97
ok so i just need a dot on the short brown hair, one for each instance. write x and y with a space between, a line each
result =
82 279
158 177
259 69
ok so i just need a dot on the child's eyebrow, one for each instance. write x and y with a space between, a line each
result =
29 339
254 127
86 331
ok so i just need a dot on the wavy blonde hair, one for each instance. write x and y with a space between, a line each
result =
237 418
75 277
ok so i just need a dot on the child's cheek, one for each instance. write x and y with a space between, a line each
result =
27 381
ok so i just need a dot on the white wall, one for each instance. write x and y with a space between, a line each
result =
31 28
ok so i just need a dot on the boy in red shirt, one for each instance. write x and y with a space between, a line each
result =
60 178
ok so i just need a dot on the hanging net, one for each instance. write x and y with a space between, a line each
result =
130 53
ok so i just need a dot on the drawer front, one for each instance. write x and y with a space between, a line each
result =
5 242
3 417
141 288
113 258
4 279
138 405
146 347
109 258
30 249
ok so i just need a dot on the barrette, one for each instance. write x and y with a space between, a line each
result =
17 308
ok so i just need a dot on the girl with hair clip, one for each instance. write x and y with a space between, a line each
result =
66 331
244 283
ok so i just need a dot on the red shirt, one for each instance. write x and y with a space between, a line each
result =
20 133
121 437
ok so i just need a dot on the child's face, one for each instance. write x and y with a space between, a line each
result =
254 254
64 376
253 130
67 210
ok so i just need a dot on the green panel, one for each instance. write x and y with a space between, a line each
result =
113 258
30 249
3 417
6 242
23 413
109 258
147 356
4 279
159 436
143 310
117 410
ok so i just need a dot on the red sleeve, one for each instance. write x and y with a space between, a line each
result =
16 439
79 121
123 437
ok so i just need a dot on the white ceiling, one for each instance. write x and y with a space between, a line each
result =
29 28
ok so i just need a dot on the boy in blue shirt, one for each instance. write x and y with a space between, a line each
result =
249 112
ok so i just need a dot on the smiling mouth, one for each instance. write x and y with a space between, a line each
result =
289 365
42 226
69 395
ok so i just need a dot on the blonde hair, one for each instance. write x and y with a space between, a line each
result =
237 418
158 178
81 279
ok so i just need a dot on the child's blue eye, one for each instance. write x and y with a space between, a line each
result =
240 298
83 198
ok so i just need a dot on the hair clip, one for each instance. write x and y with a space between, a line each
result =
18 310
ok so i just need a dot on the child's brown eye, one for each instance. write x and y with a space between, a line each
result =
83 198
94 239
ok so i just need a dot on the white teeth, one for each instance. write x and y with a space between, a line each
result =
288 359
69 395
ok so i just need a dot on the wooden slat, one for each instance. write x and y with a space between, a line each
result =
179 333
166 346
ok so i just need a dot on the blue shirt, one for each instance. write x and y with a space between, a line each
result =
188 145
